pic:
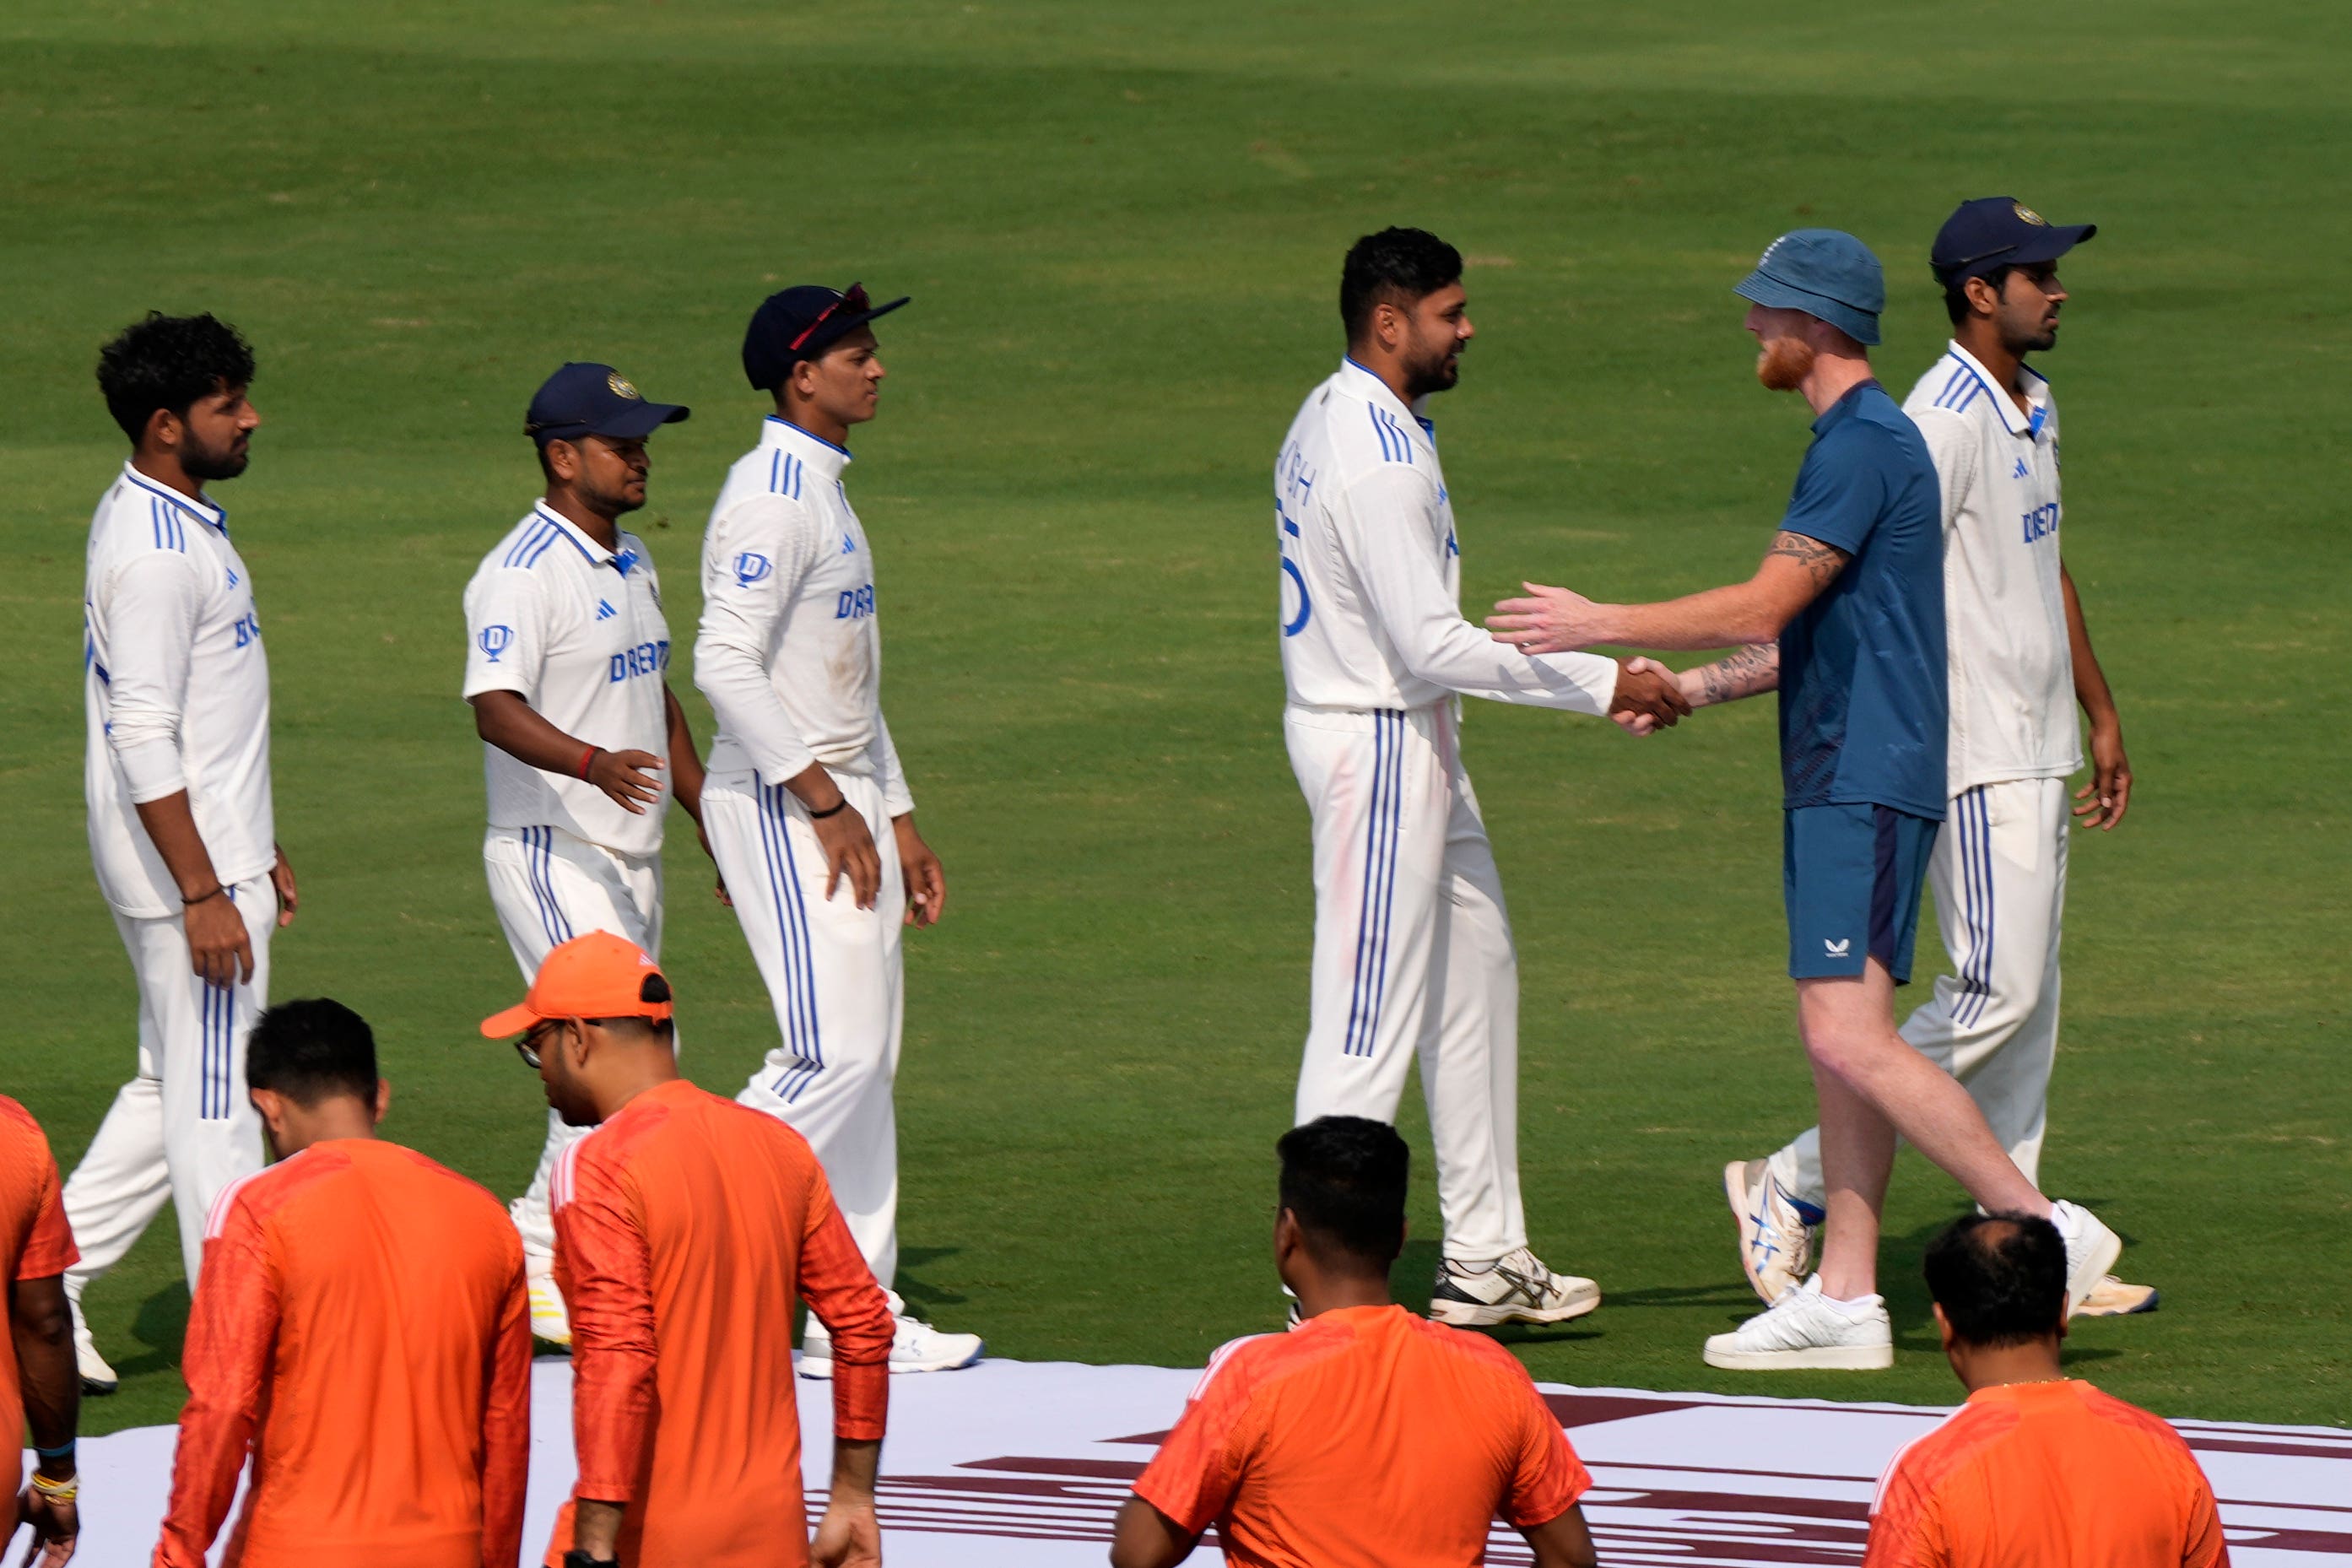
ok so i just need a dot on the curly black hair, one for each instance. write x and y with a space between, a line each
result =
168 362
2000 1278
1400 266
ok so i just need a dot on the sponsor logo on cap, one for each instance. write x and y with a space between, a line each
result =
621 386
2027 215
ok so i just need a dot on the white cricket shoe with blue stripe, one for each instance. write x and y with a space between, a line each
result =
1775 1244
1514 1289
915 1346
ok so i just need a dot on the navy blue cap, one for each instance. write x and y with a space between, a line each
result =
1993 232
801 323
594 400
1824 272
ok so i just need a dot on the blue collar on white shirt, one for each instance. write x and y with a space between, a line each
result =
2037 393
200 507
1372 389
596 553
820 454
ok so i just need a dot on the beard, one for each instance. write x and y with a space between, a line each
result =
615 503
2038 339
204 464
1782 363
1437 372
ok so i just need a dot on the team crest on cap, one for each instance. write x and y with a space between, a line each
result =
2027 215
623 387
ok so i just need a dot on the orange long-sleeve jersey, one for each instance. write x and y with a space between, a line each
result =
2046 1475
34 1244
684 1225
361 1324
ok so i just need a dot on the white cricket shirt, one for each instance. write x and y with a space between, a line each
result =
176 688
790 651
576 630
2012 669
1370 605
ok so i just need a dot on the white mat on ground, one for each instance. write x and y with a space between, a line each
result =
1023 1464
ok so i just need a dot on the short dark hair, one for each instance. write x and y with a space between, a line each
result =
168 362
2001 1278
311 1051
1399 265
1956 292
1344 1178
655 989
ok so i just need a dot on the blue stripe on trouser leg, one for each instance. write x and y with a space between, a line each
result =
1396 723
1368 900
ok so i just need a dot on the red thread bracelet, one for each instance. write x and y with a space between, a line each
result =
588 761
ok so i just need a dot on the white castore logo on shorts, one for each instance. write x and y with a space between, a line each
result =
1837 948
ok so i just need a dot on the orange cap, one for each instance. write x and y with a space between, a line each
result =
594 976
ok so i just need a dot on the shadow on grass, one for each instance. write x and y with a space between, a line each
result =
914 1289
161 1324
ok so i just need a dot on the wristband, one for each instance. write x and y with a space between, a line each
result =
576 1558
589 759
188 903
59 1452
57 1491
835 809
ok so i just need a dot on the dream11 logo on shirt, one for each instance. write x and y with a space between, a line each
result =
495 641
752 568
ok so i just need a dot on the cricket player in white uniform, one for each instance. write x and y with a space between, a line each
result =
806 807
177 782
2020 662
1413 950
583 745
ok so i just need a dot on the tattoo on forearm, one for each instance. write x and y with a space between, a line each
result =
1821 562
1744 674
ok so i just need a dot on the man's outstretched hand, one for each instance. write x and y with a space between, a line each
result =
1649 697
1549 620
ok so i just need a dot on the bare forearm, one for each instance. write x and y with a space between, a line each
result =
512 725
171 826
685 764
1717 618
596 1528
42 1330
815 787
2090 681
856 1465
1753 669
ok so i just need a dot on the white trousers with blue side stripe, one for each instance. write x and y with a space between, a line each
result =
549 887
183 1128
1414 957
835 976
1999 872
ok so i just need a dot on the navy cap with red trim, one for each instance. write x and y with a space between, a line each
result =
801 323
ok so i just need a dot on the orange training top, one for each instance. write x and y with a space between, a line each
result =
1366 1437
683 1227
33 1244
2045 1474
360 1322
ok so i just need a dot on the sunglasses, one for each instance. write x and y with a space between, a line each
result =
527 1045
853 302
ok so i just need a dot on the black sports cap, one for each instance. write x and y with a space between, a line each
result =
801 323
595 400
1992 232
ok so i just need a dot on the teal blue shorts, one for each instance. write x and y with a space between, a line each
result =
1851 876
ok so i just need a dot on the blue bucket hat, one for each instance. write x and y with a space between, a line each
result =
1824 272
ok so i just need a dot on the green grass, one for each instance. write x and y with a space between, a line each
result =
1122 227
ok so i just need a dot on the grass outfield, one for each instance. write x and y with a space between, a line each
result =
1122 227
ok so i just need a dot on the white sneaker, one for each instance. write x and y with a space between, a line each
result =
97 1377
2091 1250
1516 1288
549 1321
915 1346
1806 1329
2111 1298
1775 1244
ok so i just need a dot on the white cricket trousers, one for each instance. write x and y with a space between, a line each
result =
834 977
182 1129
1413 957
548 888
1999 872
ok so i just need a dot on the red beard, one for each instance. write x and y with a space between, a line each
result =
1784 363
